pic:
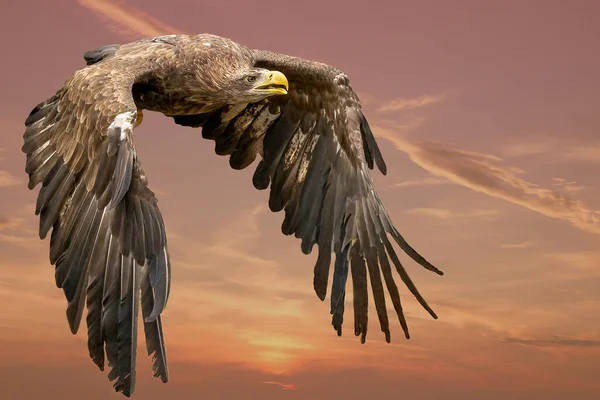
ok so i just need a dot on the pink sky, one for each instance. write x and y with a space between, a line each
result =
487 116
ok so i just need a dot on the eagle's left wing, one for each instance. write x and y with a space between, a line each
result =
317 150
108 240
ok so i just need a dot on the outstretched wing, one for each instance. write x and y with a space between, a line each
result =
108 239
317 150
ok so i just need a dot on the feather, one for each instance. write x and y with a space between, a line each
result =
338 289
227 143
285 175
261 178
312 195
63 265
95 56
392 288
122 174
159 280
406 279
74 285
250 139
56 179
95 291
378 295
42 110
35 137
359 286
371 147
321 271
413 254
139 231
155 343
110 308
193 121
127 325
54 201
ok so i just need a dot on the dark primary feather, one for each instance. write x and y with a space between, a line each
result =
317 149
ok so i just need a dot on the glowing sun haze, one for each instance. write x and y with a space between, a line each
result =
487 115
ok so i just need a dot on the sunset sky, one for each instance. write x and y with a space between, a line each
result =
487 114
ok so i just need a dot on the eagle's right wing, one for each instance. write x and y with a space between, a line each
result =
108 239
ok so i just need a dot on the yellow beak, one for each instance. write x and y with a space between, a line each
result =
273 82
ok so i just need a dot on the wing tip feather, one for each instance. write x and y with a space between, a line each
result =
321 294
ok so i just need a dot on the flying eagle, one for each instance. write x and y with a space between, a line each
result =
108 241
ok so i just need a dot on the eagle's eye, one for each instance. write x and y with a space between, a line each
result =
250 78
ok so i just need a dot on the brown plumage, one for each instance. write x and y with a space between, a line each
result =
108 241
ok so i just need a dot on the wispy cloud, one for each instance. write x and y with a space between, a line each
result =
557 342
13 231
525 148
233 246
15 240
521 245
485 173
582 264
569 186
284 386
128 20
8 179
586 154
561 149
6 222
429 181
444 213
409 104
465 310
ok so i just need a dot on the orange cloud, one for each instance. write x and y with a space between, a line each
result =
128 20
569 186
284 386
521 245
6 222
555 342
485 173
586 154
409 104
444 213
582 264
10 226
8 179
526 148
429 181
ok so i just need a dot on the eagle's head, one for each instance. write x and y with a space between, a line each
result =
226 73
256 84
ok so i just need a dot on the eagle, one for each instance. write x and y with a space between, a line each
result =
108 244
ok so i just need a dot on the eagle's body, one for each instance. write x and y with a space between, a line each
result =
108 241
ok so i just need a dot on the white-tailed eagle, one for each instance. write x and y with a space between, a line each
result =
108 241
